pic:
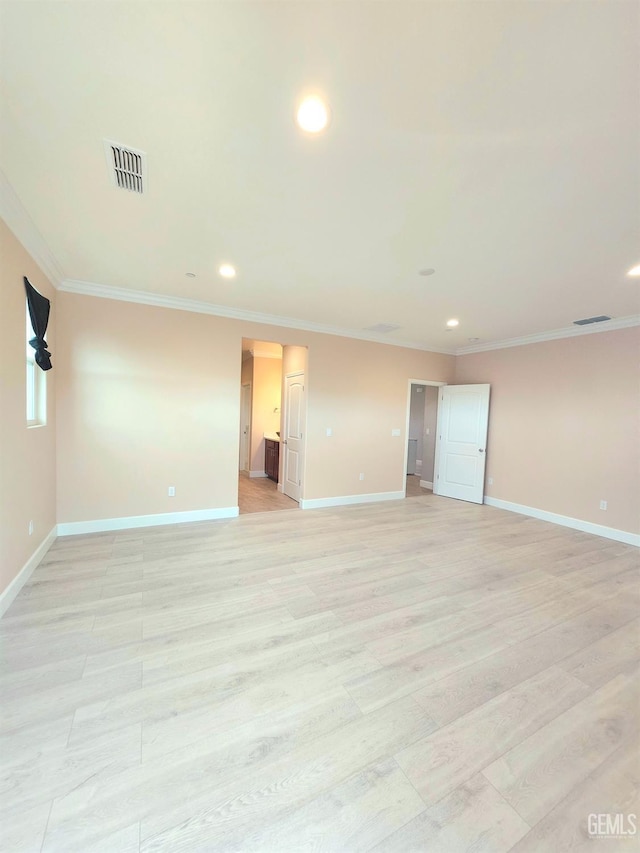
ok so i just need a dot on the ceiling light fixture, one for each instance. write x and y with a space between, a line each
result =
227 271
313 114
453 323
427 271
190 274
634 271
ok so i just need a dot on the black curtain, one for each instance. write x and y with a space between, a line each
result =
39 307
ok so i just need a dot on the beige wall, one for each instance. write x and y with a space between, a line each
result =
27 456
267 379
360 389
150 397
563 425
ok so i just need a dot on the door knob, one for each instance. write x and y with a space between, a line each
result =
481 450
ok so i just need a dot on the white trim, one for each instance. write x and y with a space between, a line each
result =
19 221
15 215
554 334
280 487
426 484
345 500
122 294
567 521
8 595
74 528
255 474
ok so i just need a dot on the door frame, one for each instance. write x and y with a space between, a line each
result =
411 382
247 461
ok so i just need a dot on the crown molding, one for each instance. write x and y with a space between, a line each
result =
121 294
17 218
553 335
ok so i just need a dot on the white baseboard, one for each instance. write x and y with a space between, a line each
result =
567 521
344 500
9 594
100 525
426 484
254 474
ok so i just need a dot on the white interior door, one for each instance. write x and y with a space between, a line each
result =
293 440
245 426
463 417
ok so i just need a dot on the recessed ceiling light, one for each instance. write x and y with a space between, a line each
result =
453 323
427 271
190 274
313 114
227 271
634 271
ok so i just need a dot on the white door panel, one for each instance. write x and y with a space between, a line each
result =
463 417
293 442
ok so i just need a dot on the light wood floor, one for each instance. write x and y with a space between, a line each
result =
259 494
421 675
414 489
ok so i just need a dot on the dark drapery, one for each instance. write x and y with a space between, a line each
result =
39 307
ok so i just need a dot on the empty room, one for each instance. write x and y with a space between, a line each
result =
319 426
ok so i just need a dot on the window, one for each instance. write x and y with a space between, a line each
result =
36 384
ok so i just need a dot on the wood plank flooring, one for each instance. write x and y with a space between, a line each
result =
259 494
420 675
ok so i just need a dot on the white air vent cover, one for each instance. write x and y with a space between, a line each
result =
381 328
127 166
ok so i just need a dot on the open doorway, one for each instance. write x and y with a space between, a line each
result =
264 463
422 414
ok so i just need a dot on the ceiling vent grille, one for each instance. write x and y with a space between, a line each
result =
127 166
589 320
381 328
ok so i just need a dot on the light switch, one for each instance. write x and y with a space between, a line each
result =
329 431
395 432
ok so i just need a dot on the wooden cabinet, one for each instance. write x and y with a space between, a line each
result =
271 458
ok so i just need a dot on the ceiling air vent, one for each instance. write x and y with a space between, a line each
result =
127 166
589 320
381 328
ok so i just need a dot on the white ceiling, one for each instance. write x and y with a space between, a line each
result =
497 142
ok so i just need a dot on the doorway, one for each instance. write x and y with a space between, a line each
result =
264 446
422 413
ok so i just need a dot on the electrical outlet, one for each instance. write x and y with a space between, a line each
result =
490 481
362 476
603 504
30 527
427 431
395 432
171 491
